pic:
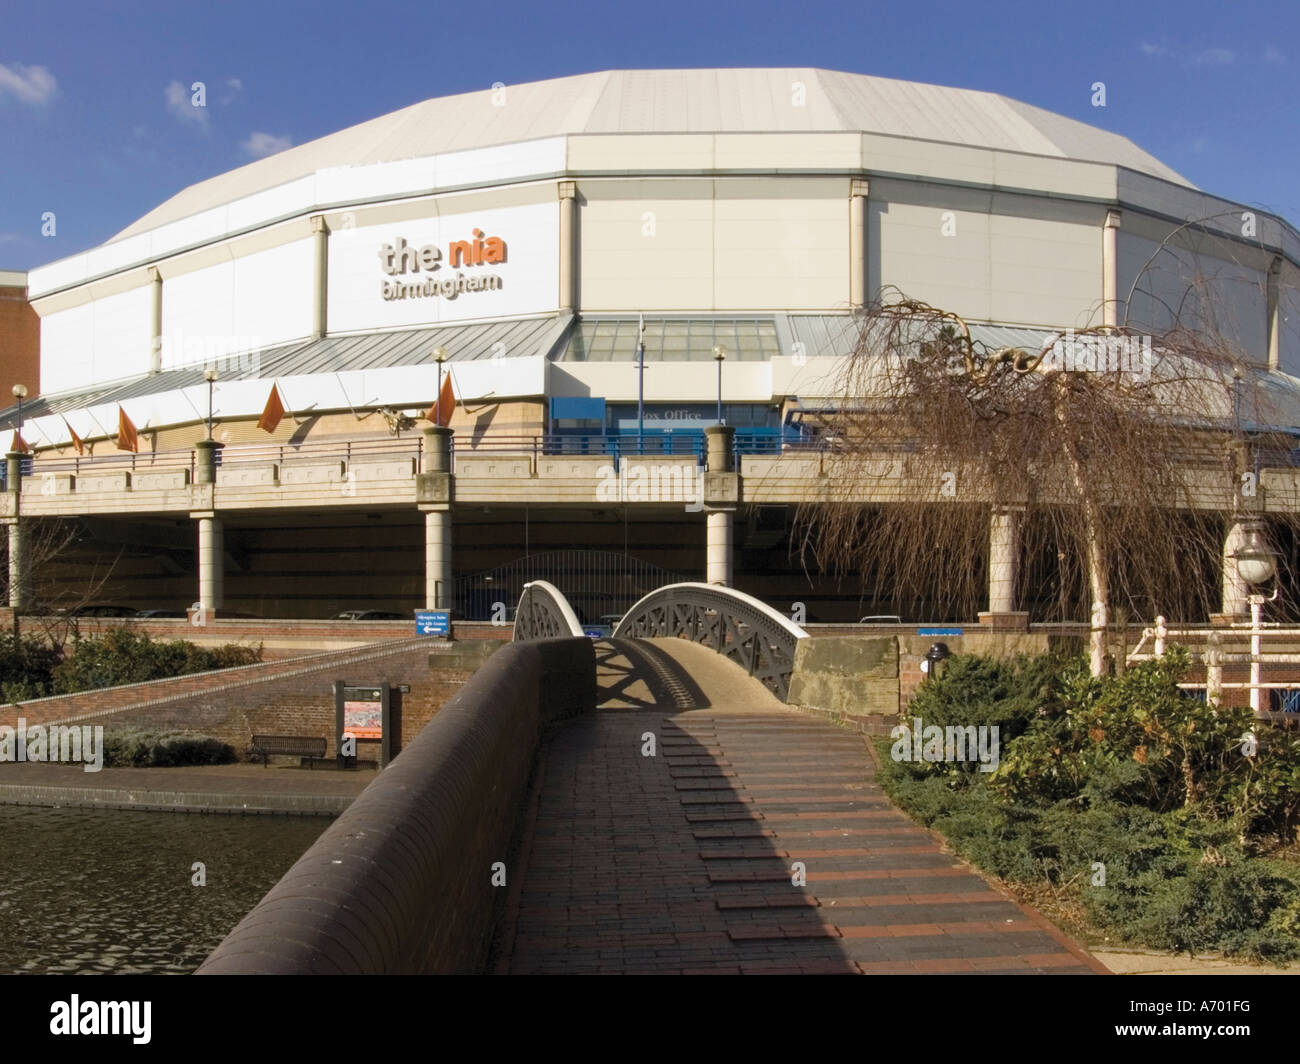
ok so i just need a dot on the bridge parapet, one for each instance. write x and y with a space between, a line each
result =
737 626
403 881
544 613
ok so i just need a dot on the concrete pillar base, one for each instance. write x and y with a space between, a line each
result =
1005 621
1223 620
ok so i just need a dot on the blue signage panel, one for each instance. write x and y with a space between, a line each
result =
938 631
596 632
433 622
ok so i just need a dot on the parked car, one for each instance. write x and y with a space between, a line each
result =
161 613
371 615
102 610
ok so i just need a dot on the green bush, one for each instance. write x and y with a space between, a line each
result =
980 691
1122 792
121 656
141 748
26 669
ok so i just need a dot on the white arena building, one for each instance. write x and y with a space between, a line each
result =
531 236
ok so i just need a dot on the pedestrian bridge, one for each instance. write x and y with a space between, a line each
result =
646 803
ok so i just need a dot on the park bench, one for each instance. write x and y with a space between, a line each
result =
305 747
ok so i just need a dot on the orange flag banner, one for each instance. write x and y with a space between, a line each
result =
441 411
77 441
127 437
273 414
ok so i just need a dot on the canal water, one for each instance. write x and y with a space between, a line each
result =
92 891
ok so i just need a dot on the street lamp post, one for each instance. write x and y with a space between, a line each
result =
640 384
719 355
20 393
1256 566
210 375
439 356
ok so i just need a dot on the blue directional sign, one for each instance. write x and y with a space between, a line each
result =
938 631
433 622
596 632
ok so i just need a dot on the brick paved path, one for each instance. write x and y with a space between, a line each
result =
683 862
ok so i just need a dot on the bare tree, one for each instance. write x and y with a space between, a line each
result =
1116 452
53 605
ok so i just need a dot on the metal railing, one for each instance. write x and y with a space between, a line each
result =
1214 657
680 444
737 626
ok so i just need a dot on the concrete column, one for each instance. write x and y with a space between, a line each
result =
1274 315
1004 613
18 574
210 563
719 445
1004 560
719 463
435 490
155 320
858 188
19 577
205 468
1236 592
438 589
1110 270
568 247
436 454
718 552
320 287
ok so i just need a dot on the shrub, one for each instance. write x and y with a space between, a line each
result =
26 669
121 656
141 748
1125 776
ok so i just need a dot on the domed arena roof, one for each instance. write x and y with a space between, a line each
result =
676 101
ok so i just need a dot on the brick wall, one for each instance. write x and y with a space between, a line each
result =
20 340
402 883
280 698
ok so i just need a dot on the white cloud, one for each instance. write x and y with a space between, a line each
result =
178 103
235 83
1146 48
259 145
233 86
31 84
1215 57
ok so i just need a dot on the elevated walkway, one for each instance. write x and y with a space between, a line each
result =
683 862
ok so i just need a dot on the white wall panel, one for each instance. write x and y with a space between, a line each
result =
100 341
273 295
122 340
198 315
68 349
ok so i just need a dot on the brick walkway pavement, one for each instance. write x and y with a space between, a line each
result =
683 862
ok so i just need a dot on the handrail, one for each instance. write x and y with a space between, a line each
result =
544 613
737 626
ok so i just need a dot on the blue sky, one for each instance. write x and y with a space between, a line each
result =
95 122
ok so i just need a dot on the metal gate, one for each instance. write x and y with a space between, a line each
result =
597 583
